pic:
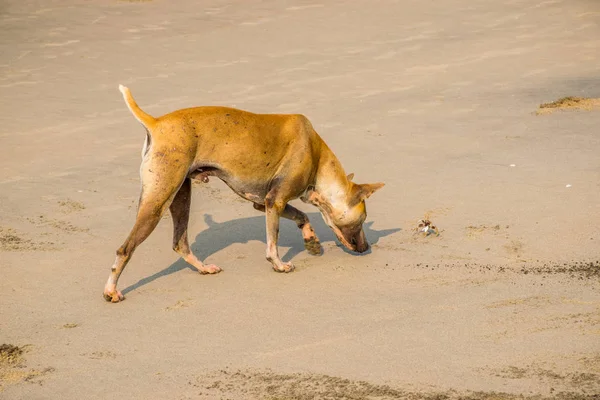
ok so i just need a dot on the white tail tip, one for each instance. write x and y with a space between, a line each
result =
122 88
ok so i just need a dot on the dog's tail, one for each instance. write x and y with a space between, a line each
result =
145 119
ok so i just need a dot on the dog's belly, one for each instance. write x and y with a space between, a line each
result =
252 190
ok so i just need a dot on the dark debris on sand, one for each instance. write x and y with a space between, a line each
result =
574 269
267 385
10 354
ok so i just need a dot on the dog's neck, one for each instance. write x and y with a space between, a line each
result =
331 187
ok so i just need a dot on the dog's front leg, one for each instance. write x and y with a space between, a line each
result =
311 241
273 211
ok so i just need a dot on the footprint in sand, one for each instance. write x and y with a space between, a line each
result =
179 304
64 226
68 206
99 355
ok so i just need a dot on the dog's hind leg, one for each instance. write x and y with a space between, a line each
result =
154 200
180 211
311 241
147 219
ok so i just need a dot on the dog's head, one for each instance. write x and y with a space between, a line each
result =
346 215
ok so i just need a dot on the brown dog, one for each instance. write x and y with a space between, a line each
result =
268 159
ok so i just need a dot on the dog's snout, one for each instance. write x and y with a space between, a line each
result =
363 248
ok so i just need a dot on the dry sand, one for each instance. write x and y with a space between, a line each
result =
436 99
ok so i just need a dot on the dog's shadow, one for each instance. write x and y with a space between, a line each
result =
220 235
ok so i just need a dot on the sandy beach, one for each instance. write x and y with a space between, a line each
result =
439 100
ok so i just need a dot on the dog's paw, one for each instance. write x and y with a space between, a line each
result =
209 269
285 267
313 246
114 297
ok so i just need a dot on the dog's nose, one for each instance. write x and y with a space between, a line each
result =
363 247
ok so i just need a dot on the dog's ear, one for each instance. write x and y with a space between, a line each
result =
364 191
367 189
350 176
